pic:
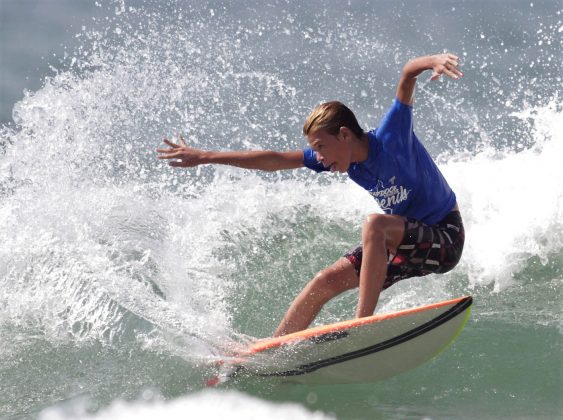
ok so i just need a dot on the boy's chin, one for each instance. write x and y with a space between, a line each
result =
335 167
344 169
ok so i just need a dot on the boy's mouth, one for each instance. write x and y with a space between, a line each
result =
332 167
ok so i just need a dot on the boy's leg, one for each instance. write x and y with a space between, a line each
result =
381 233
328 283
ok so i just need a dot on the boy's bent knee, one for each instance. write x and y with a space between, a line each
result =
389 228
380 222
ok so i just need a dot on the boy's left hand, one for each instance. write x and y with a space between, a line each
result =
445 64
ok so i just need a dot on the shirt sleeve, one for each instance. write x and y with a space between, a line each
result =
396 127
311 162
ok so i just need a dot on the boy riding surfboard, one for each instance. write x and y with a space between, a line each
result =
421 230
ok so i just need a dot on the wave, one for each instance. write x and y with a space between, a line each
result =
104 243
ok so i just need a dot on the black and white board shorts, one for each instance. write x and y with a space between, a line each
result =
424 250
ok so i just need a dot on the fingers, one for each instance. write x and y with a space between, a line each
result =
172 152
166 150
435 75
169 143
174 145
451 67
172 155
168 154
446 64
453 73
178 154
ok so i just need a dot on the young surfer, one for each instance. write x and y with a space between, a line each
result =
421 230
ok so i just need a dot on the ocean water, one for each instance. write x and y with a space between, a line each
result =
122 278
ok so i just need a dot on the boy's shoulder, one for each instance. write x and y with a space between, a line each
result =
397 121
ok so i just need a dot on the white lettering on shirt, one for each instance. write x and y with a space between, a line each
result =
389 197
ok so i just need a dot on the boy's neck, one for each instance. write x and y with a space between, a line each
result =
360 148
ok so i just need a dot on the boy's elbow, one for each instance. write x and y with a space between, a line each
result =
270 168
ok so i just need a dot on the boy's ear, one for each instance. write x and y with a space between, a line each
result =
345 133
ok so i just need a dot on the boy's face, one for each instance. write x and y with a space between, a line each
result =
333 151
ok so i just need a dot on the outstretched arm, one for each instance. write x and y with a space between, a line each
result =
181 155
439 64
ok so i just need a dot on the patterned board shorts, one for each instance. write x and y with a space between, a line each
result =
424 250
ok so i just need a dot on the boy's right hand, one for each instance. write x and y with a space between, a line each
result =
184 156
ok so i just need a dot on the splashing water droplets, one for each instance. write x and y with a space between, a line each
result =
122 243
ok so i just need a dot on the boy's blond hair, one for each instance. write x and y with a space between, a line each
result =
330 116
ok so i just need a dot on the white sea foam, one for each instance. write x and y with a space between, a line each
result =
208 404
512 203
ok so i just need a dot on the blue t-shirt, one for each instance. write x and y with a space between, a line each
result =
399 173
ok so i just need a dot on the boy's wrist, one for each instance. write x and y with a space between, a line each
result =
416 66
206 157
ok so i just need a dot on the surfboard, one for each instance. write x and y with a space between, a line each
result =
360 350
